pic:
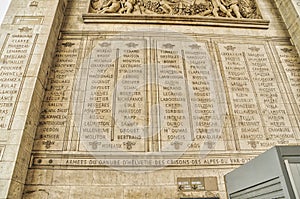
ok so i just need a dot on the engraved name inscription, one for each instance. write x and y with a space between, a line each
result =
148 95
142 162
260 118
54 121
115 110
15 57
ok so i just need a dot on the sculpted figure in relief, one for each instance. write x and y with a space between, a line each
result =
196 7
249 9
233 6
205 6
216 8
127 6
95 5
164 5
219 6
113 6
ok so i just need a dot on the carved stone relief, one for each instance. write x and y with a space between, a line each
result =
209 8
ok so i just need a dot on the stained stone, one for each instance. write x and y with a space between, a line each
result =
139 99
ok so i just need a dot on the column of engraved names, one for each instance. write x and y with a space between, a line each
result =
53 123
290 63
96 119
203 98
270 96
130 111
247 123
175 127
15 57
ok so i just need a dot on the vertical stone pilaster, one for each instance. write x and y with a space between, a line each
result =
290 12
28 37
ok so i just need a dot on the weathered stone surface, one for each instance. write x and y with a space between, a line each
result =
290 12
215 8
23 41
102 102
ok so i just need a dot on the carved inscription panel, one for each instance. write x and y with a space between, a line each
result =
141 94
55 120
114 115
190 115
259 110
133 104
289 65
15 57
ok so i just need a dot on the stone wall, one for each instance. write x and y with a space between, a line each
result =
290 11
157 104
28 38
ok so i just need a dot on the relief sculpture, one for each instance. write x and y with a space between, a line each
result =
210 8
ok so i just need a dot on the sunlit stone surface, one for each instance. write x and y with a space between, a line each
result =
143 99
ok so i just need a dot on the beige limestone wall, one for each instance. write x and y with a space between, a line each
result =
277 28
46 179
62 176
28 38
107 183
290 12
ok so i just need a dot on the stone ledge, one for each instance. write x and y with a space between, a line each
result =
176 20
81 161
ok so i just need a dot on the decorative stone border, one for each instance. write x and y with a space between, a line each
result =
178 20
